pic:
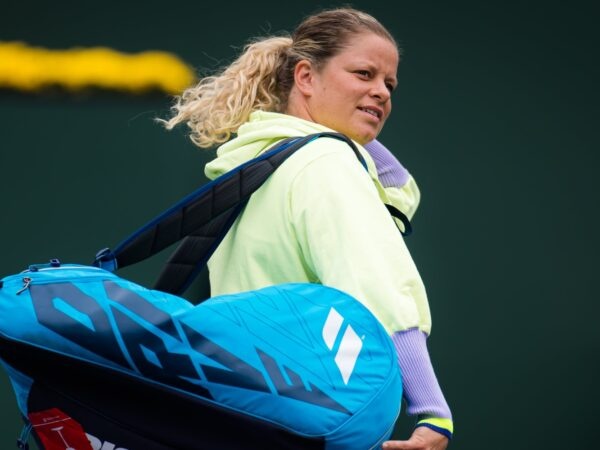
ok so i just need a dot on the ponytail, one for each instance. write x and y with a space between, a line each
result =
217 106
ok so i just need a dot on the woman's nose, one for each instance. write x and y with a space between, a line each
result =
380 91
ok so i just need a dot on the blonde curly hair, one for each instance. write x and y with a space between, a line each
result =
263 75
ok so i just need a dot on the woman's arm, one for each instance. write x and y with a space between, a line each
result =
421 389
350 242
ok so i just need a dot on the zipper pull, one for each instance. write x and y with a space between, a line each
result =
26 283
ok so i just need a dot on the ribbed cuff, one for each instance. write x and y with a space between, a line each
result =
421 388
442 426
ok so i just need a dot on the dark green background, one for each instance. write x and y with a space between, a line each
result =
495 115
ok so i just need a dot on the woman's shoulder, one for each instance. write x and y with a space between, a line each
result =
322 155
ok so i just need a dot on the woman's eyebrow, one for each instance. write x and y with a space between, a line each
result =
373 68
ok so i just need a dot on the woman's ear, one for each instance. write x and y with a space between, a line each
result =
304 76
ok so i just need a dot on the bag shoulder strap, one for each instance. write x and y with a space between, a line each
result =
202 219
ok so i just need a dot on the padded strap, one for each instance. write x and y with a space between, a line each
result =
203 218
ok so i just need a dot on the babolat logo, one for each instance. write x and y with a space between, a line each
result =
348 347
98 444
132 333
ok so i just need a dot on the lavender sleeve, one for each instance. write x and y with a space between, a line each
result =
389 170
421 389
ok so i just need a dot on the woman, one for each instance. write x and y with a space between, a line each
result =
321 217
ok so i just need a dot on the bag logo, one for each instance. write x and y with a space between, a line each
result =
349 347
142 327
98 444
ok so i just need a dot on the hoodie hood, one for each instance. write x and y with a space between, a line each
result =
261 132
264 129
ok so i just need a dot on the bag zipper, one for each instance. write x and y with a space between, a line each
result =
33 269
27 281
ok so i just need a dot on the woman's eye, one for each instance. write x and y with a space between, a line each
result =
390 87
363 73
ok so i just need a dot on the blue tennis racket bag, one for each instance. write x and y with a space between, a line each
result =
98 362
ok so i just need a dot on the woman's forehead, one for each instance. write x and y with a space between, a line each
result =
370 48
369 41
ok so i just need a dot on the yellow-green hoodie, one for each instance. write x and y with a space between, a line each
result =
320 218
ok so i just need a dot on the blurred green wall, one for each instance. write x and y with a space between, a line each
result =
495 115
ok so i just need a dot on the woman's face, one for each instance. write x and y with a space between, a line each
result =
351 92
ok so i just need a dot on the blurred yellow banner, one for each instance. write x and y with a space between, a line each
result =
27 68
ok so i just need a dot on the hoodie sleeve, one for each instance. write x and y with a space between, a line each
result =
349 240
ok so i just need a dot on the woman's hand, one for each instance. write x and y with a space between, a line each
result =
423 438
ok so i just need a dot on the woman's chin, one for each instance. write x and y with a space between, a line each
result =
364 138
360 134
